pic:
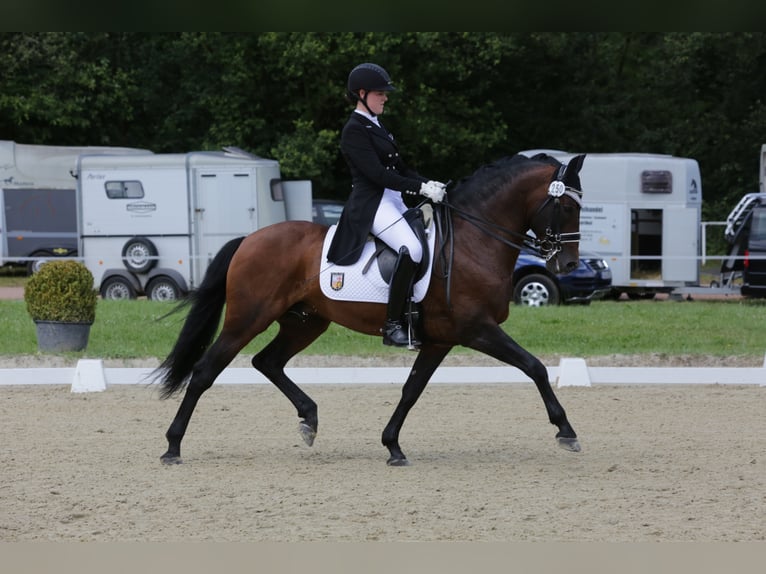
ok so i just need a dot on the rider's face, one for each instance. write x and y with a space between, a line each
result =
376 101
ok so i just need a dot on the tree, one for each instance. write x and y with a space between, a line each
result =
63 88
462 99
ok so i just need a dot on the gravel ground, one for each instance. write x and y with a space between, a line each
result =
659 463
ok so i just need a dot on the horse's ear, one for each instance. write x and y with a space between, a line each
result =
575 164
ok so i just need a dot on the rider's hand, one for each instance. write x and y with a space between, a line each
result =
433 190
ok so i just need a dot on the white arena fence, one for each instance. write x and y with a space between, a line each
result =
90 375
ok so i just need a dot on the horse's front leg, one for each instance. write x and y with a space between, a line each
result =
429 358
296 332
493 341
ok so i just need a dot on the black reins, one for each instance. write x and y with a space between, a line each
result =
546 247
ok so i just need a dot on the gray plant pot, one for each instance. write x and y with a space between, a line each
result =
59 337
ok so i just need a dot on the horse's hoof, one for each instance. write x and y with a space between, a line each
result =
171 459
567 443
307 433
397 462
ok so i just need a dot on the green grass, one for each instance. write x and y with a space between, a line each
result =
133 329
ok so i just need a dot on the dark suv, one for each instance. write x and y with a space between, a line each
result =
754 265
746 234
535 286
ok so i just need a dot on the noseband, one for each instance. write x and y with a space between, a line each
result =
552 243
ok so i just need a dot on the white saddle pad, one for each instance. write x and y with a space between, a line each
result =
348 283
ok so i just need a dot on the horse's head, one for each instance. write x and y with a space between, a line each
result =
491 200
556 222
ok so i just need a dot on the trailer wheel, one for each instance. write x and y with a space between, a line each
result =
536 290
139 255
35 265
163 288
116 288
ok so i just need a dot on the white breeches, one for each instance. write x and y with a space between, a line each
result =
391 227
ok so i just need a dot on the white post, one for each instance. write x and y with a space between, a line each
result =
89 376
573 372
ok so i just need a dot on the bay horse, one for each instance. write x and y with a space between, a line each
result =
273 275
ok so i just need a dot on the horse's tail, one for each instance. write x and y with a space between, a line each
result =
201 323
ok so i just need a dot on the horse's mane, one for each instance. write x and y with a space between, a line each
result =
483 183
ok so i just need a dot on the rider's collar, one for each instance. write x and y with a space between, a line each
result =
373 119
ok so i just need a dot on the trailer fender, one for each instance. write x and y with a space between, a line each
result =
173 274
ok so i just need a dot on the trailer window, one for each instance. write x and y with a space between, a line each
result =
276 190
656 181
124 189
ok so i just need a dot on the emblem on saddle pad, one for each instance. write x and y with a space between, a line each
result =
336 281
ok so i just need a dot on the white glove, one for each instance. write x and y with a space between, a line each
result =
433 190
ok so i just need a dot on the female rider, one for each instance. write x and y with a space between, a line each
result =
375 206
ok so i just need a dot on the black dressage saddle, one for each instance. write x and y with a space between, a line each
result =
386 257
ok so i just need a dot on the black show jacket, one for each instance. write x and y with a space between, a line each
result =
373 158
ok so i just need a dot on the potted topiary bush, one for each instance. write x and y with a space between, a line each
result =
61 300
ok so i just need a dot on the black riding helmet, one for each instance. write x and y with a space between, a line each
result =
370 78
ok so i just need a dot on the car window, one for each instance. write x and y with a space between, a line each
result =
332 213
758 226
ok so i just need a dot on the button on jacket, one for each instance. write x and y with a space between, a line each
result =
375 164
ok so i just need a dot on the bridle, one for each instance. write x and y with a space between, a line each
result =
553 240
552 243
546 247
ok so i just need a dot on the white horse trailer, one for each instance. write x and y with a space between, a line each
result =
38 216
641 212
150 224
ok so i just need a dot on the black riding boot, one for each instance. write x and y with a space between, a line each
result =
395 332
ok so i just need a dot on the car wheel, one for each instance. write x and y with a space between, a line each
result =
34 266
163 289
536 291
139 255
116 288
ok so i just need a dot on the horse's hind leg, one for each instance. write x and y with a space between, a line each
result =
206 370
494 342
297 330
